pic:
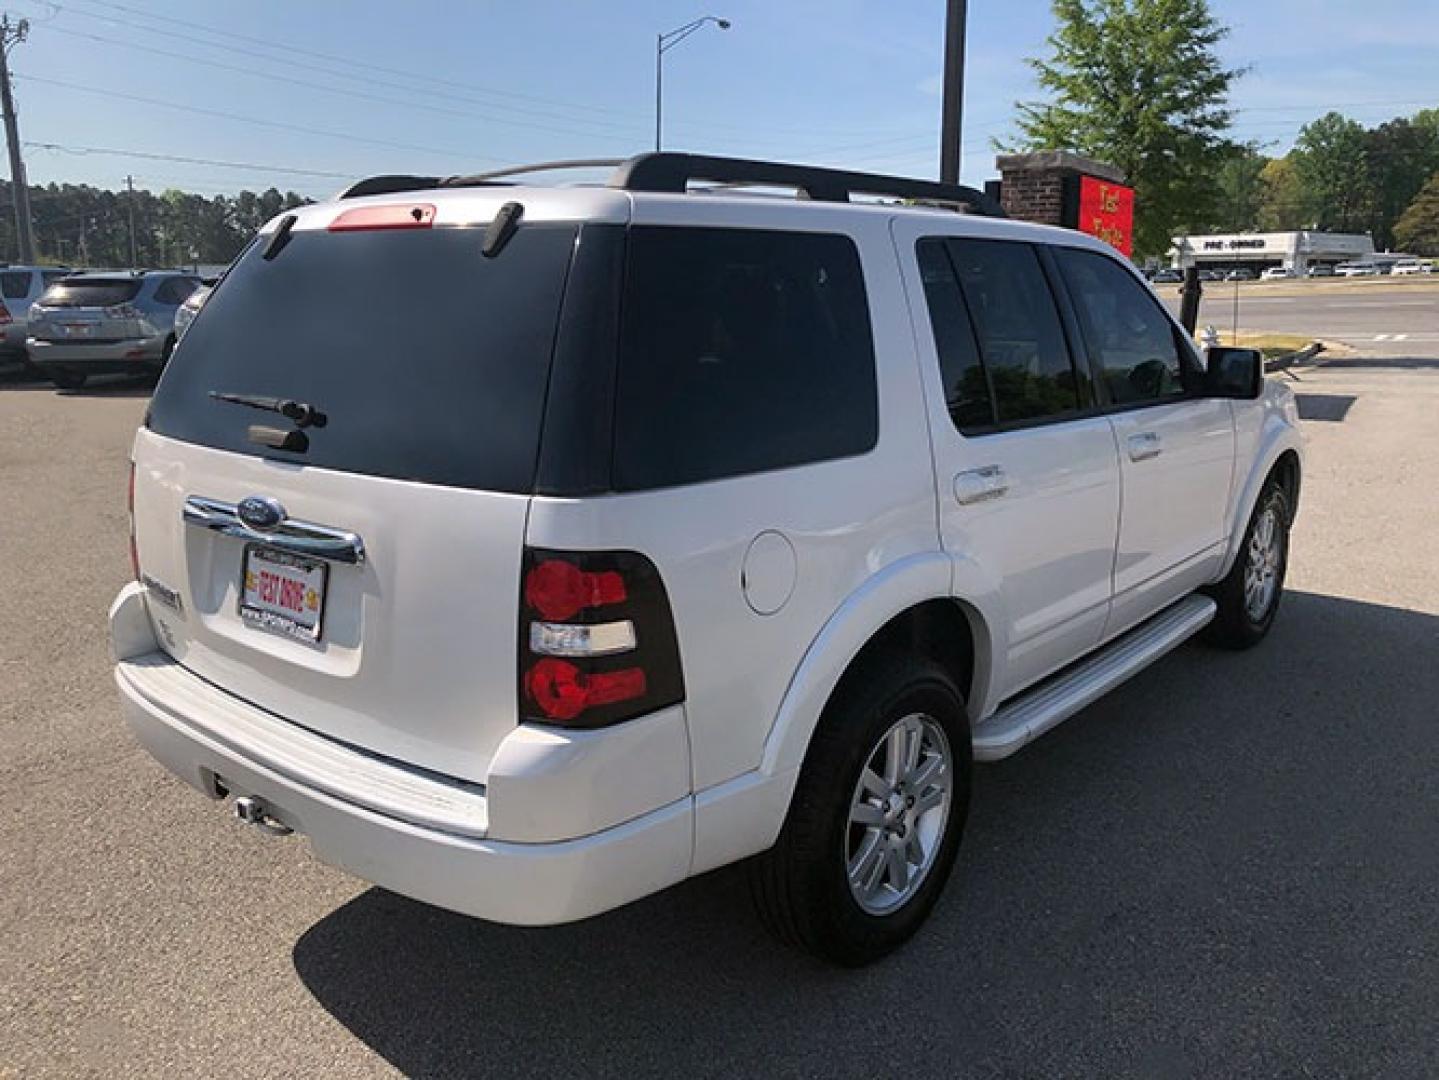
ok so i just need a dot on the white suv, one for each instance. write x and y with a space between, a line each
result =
533 549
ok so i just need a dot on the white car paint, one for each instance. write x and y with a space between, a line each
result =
419 665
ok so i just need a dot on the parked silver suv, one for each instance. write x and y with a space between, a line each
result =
21 286
94 323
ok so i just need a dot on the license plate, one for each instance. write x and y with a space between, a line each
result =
77 329
283 592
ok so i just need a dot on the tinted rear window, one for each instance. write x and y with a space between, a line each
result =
741 350
429 361
15 284
91 293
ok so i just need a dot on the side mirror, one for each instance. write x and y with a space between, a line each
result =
1233 373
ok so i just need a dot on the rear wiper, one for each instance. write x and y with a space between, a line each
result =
301 413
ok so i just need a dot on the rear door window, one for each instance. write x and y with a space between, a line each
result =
174 290
15 284
1131 341
429 361
91 292
967 393
741 350
1021 339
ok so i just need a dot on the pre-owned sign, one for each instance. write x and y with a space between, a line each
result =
1106 210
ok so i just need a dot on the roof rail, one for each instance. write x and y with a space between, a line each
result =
665 172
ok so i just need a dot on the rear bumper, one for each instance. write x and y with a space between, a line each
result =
115 355
410 831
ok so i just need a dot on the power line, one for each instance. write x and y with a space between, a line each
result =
277 124
248 166
367 74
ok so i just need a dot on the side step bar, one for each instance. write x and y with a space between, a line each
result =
1051 703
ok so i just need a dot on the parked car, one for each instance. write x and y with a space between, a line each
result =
92 323
1210 275
1357 269
1276 273
552 545
186 312
21 286
1406 267
1319 270
1167 277
1243 273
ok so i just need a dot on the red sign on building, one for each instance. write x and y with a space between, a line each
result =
1106 210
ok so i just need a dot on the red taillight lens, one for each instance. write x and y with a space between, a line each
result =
130 507
560 590
395 216
563 691
5 316
597 639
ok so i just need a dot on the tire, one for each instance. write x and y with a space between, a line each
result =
801 886
1247 606
66 378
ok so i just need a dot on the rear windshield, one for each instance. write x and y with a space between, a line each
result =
429 361
94 292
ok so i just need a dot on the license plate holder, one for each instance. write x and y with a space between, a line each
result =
283 592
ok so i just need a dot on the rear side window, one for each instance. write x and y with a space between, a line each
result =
174 290
1128 337
429 360
15 284
91 292
1020 336
740 351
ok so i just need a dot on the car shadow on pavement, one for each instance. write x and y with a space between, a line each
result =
1367 363
1225 866
110 386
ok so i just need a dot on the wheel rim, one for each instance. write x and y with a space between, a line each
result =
1261 565
898 814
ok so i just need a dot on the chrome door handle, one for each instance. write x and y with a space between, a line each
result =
1144 446
300 537
980 485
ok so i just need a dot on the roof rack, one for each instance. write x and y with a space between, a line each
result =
670 172
674 173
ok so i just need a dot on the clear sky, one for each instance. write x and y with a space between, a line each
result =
347 88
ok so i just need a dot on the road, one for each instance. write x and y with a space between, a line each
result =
1228 867
1366 313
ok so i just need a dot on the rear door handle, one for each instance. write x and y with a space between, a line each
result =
980 485
1144 446
299 537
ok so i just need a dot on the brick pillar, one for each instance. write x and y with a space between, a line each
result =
1040 186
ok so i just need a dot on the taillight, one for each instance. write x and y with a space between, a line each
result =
5 316
390 216
130 507
122 311
597 639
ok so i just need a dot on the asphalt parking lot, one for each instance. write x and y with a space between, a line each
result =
1229 866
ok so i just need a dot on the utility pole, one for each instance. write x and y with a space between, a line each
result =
130 187
13 34
952 113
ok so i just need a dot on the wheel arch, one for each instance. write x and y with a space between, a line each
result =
1281 456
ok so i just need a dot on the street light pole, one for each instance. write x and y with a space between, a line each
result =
663 44
952 113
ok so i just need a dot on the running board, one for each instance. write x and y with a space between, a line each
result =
1051 703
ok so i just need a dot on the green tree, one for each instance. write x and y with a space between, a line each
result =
1282 205
1240 183
1138 84
1333 170
1417 229
1399 156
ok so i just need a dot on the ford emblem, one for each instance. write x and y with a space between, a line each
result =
261 513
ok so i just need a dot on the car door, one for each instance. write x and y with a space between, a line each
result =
1027 473
1176 448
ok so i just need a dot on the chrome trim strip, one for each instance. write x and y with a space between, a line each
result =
300 537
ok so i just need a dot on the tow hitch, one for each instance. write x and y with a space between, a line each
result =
253 812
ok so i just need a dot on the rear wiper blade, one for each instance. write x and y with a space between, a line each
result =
301 413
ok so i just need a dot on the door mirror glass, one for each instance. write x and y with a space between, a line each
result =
1233 373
